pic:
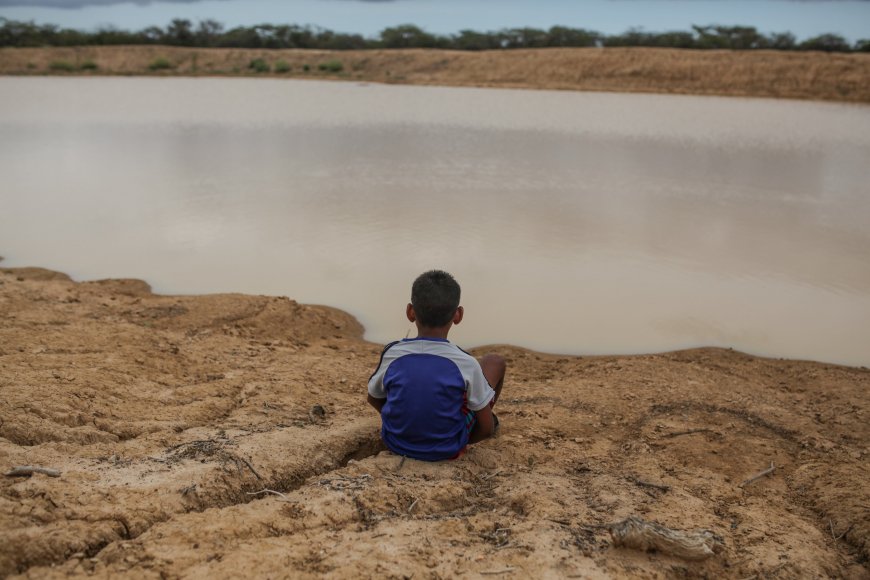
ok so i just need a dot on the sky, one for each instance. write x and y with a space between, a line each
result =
803 18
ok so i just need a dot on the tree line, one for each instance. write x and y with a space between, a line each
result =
212 34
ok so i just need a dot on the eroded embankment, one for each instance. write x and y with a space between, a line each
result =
746 73
167 415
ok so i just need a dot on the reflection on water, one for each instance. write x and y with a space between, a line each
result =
577 223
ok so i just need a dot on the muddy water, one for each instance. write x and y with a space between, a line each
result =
577 223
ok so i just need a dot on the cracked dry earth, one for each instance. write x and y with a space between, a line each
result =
169 417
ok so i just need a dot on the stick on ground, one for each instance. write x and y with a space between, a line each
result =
251 467
270 491
688 432
658 486
28 470
759 475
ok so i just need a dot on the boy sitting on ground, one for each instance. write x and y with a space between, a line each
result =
433 397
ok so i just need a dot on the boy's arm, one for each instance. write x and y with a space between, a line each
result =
377 395
378 404
483 427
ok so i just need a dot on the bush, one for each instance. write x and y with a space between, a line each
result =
826 43
282 67
333 66
160 64
306 67
259 65
62 65
89 65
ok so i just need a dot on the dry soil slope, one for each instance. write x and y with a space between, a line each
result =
164 413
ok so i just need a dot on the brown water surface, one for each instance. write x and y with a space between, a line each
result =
576 222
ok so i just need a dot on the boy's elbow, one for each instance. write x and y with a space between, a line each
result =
376 403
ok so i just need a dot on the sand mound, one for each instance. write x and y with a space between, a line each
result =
169 417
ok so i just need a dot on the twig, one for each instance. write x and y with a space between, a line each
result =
27 470
496 572
849 529
174 447
841 536
413 505
490 475
759 475
271 491
251 467
401 463
565 523
658 486
687 432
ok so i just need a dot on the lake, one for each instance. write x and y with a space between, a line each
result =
582 223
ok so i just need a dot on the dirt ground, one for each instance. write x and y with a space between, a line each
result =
169 418
747 73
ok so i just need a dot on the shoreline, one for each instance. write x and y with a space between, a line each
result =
761 73
228 435
49 273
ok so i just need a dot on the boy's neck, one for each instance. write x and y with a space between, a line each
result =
439 332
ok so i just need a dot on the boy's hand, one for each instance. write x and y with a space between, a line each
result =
484 427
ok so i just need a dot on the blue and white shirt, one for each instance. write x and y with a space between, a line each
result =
429 385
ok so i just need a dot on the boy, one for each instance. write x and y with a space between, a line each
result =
433 397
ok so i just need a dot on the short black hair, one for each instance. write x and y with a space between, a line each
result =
435 297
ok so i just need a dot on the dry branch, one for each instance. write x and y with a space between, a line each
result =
637 534
688 432
269 491
28 470
658 486
759 475
248 463
413 505
496 572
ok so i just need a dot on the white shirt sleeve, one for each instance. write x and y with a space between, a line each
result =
376 382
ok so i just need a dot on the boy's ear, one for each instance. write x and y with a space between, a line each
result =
457 316
409 312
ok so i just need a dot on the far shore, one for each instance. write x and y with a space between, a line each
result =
757 73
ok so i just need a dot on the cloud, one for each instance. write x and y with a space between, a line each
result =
83 3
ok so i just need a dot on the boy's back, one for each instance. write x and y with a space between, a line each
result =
429 385
433 397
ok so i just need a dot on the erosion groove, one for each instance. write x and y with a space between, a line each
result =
225 483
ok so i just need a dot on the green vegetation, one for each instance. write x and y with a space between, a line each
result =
331 66
259 65
89 65
306 67
160 64
282 67
62 65
210 33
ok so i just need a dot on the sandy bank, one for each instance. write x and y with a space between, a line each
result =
756 73
166 413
